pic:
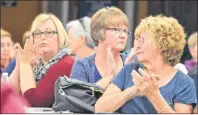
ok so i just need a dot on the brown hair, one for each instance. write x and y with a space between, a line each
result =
105 17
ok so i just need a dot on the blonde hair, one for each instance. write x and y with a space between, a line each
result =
41 18
26 35
105 17
192 40
169 36
5 33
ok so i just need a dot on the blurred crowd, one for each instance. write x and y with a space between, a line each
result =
148 78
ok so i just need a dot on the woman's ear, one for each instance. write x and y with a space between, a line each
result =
83 40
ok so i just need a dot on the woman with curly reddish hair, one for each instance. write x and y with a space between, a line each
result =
157 87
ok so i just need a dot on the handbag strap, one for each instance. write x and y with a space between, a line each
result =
81 103
77 101
66 80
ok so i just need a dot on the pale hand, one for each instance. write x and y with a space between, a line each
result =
145 83
110 70
16 48
28 55
131 55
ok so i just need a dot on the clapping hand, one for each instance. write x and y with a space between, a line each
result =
28 55
146 84
16 49
110 64
131 55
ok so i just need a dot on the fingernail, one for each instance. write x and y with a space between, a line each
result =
133 72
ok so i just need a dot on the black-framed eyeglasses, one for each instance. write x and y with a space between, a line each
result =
47 33
119 30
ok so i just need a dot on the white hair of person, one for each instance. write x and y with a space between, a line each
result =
82 28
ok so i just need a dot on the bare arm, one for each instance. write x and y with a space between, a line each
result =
14 79
162 106
27 80
183 108
149 87
104 82
27 56
110 100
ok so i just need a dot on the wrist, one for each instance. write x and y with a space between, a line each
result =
155 96
25 62
109 76
132 92
22 64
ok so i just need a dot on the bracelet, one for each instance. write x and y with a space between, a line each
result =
162 110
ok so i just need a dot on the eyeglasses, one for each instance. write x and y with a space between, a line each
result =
117 31
47 33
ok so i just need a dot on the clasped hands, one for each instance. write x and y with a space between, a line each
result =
145 84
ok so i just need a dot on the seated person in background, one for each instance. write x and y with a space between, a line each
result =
80 41
159 88
109 30
193 74
26 36
16 47
12 63
48 37
192 46
6 48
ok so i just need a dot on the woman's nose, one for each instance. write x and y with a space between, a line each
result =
43 37
6 48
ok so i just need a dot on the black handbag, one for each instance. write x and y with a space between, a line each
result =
75 96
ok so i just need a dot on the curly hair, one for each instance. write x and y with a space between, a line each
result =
169 36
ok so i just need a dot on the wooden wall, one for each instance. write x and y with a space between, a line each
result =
18 19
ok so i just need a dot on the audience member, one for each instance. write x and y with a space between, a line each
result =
159 88
109 30
48 39
6 48
26 36
192 46
16 47
80 41
193 74
133 57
